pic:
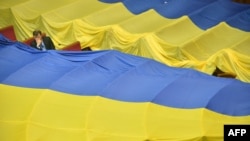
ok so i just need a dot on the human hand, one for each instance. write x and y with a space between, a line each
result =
38 41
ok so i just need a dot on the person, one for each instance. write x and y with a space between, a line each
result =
42 42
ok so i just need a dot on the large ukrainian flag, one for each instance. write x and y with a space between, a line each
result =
111 96
198 34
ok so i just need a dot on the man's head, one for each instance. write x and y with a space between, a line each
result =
37 34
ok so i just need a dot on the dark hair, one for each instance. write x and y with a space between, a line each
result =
36 32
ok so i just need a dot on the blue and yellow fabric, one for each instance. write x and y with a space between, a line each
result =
195 34
109 96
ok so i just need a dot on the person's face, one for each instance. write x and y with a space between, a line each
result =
38 37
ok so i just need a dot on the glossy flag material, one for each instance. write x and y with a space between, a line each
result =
198 34
109 95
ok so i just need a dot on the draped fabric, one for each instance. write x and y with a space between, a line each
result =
194 34
109 96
